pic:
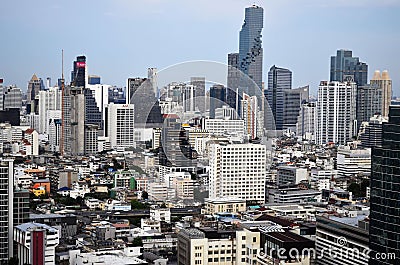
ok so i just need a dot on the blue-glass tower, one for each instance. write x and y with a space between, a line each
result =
345 66
250 50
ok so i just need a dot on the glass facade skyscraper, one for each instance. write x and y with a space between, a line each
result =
344 67
385 193
250 50
78 75
217 98
279 80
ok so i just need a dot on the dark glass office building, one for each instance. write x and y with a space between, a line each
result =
78 75
279 81
217 98
92 112
345 67
385 193
251 51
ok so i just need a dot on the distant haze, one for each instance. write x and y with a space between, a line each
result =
122 38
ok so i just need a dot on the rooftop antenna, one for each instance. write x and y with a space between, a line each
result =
62 64
62 103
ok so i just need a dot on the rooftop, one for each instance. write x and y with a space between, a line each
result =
31 226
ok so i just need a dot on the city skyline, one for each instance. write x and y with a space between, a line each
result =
109 37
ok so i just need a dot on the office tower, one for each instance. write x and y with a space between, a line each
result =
370 134
339 239
78 75
132 87
79 79
199 84
369 103
140 93
251 51
233 80
249 115
345 67
93 114
91 136
53 129
385 84
188 98
6 209
176 154
74 121
336 108
21 211
152 76
36 243
226 113
49 100
1 94
34 86
100 93
233 72
120 124
307 121
293 99
279 80
384 233
21 206
94 80
12 98
217 98
238 170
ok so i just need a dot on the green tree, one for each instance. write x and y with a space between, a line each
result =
355 189
137 242
137 205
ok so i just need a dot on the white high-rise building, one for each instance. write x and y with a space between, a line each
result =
152 76
36 243
12 98
336 110
238 170
307 121
53 129
48 100
188 97
120 125
6 209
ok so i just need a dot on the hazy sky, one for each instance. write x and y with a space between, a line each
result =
122 38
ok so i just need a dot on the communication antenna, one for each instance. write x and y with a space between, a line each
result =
62 103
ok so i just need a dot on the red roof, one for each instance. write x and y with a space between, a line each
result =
29 131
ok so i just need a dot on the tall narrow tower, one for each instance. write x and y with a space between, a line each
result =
250 49
385 84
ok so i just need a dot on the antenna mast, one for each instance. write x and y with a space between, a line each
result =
62 104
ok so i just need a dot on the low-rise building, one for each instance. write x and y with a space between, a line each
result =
36 243
224 205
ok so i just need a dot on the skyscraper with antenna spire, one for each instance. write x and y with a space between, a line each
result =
250 49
